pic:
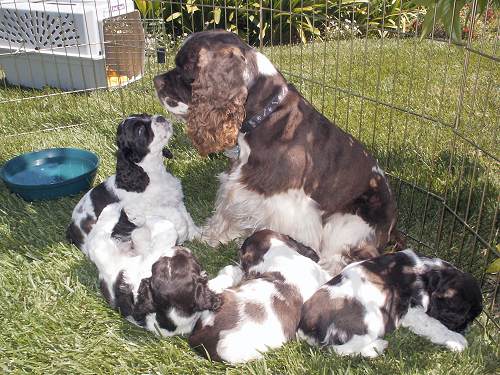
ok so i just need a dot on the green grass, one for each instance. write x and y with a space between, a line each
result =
52 316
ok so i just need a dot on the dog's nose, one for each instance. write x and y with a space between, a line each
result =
161 119
158 82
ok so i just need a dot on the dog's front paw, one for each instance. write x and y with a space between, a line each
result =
374 349
194 233
212 237
227 277
456 342
209 239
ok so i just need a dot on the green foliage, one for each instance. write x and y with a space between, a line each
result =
494 267
448 12
383 15
281 21
148 6
289 21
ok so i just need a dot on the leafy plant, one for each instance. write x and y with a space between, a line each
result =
494 267
381 16
283 21
147 6
286 20
448 12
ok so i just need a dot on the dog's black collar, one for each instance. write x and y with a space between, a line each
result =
256 120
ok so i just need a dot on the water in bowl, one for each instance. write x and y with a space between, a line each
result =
49 171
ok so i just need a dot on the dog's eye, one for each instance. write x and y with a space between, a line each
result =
140 130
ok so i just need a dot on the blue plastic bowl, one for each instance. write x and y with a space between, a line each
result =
51 173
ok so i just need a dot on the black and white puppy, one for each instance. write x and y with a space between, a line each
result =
163 289
141 185
263 311
368 299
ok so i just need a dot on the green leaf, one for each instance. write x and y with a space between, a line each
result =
191 7
173 16
217 13
494 267
428 22
449 12
263 29
142 6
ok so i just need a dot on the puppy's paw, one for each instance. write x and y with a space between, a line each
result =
456 342
343 350
375 349
309 339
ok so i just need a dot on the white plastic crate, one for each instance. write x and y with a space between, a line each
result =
71 44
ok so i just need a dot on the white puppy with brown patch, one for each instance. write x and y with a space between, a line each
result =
263 311
354 310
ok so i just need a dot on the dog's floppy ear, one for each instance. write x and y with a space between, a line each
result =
130 176
204 298
302 249
219 94
162 287
133 137
144 304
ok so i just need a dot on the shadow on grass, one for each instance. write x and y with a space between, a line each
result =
32 228
448 211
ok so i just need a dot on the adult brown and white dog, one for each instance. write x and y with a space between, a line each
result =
295 173
262 311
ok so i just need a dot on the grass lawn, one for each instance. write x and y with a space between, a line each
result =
52 316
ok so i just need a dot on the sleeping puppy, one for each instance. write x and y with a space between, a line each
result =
263 311
162 290
369 299
141 186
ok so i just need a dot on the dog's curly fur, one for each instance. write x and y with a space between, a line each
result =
218 98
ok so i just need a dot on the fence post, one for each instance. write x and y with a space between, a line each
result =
261 21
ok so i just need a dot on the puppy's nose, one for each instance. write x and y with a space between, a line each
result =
161 119
158 82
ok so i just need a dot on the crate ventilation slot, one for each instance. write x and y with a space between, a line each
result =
36 30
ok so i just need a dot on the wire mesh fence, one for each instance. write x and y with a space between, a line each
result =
427 108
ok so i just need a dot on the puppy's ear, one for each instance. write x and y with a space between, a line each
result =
161 283
204 298
219 94
132 139
302 249
130 176
144 304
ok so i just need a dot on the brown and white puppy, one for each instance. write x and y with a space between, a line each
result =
354 310
163 289
263 311
295 173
